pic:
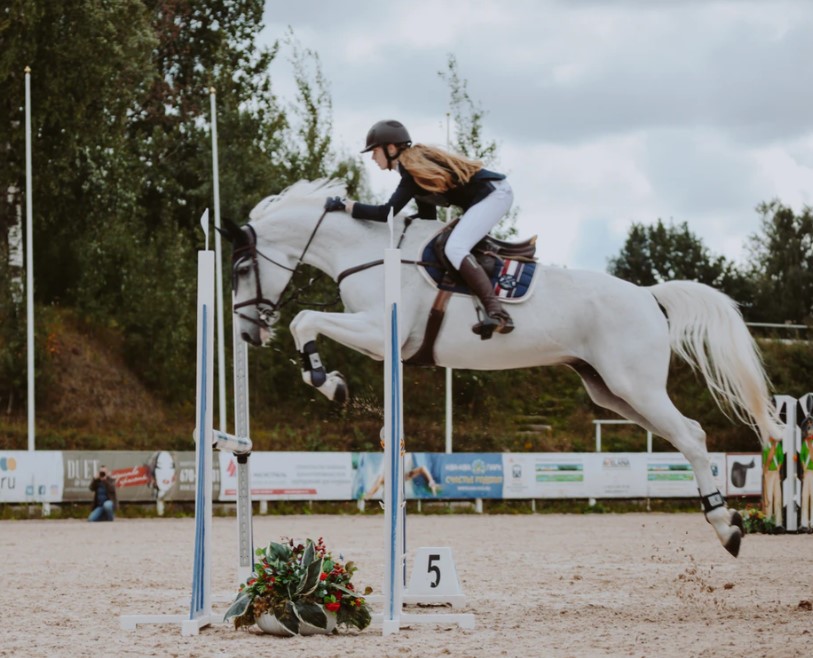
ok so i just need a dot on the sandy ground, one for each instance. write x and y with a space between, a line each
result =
543 585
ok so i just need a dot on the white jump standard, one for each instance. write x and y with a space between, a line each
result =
393 616
200 610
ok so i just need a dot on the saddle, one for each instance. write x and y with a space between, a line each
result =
509 265
491 253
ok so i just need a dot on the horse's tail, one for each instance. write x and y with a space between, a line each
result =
708 332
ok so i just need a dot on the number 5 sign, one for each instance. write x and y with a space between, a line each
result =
434 578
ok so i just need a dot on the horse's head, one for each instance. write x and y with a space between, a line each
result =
266 253
256 295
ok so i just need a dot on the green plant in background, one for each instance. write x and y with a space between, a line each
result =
300 583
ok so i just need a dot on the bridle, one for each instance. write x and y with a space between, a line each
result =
266 308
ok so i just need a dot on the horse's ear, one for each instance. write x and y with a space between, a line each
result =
233 233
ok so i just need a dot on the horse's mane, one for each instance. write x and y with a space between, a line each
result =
300 190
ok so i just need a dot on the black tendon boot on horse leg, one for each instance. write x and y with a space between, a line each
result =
497 318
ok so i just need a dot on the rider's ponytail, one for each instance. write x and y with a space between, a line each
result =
437 170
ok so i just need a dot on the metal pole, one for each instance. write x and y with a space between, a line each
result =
221 353
29 262
448 370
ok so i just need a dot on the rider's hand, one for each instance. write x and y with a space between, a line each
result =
334 203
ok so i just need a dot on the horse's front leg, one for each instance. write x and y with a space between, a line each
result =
359 331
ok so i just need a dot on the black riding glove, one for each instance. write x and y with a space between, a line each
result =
334 203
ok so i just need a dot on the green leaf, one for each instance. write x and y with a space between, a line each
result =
358 617
311 613
279 551
289 619
239 607
309 555
310 581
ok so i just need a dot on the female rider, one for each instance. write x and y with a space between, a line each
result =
436 177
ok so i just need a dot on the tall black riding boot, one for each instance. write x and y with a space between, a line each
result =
497 318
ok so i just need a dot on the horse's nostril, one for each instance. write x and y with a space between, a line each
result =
247 338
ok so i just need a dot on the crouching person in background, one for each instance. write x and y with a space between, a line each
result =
105 502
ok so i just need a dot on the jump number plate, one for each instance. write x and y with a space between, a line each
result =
434 575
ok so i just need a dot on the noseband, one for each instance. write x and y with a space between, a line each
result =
266 309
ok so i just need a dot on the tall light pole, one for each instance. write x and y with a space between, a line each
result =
29 262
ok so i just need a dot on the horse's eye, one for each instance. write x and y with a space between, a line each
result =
238 271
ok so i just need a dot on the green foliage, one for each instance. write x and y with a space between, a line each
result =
781 264
656 253
122 158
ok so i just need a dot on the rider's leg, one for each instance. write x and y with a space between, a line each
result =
475 224
497 318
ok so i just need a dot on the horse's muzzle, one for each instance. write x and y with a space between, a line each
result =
247 337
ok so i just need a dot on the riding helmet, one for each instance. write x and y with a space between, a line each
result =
387 132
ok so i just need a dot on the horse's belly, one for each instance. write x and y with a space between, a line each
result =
501 352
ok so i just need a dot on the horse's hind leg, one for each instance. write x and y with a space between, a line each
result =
651 408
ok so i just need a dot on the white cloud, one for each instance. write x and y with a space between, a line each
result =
606 111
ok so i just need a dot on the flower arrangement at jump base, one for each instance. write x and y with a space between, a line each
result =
299 589
756 521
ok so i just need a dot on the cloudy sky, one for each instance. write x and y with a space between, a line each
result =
606 112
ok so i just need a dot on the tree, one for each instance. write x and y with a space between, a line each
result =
468 118
656 253
87 64
781 264
122 152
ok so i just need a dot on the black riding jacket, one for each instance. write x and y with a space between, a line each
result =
463 196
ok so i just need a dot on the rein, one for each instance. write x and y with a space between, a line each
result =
375 263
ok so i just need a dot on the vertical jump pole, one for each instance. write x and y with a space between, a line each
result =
787 404
200 608
245 534
393 615
221 356
393 437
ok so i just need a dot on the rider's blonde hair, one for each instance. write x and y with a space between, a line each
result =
437 170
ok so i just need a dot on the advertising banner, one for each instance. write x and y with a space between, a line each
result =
467 474
140 476
615 475
519 476
291 476
30 477
559 475
432 475
744 474
670 475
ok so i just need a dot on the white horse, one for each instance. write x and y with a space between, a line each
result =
617 336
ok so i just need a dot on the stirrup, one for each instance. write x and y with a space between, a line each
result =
486 327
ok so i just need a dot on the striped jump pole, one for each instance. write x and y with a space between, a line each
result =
200 607
393 456
393 616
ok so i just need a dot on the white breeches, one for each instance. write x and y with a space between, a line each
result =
477 221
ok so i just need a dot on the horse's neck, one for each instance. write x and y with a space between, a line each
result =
342 242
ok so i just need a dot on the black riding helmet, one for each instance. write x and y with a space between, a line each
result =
388 132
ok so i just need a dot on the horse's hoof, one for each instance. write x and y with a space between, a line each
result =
338 387
736 520
734 541
340 396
